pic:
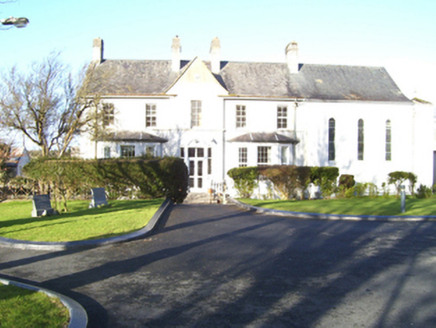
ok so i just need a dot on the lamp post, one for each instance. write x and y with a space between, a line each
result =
19 22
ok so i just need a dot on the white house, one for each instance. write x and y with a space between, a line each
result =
222 114
17 159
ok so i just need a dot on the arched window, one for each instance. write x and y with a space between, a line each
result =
360 140
332 151
388 152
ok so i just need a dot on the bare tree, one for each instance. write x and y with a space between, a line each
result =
47 104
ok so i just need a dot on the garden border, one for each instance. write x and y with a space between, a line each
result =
78 315
322 216
56 246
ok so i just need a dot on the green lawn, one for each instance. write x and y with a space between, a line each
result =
80 223
352 206
21 307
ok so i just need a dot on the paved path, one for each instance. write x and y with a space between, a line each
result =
217 266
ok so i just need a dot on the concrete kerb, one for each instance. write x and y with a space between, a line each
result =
320 216
78 316
56 246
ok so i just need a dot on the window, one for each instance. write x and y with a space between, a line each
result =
150 115
284 155
282 117
149 151
108 114
127 151
360 140
241 117
209 160
243 158
263 155
332 151
107 152
195 113
388 152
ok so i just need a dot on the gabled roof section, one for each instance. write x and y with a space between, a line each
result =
196 72
313 82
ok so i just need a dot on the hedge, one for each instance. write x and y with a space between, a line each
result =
165 177
287 179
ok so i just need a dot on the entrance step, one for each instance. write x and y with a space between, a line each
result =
199 198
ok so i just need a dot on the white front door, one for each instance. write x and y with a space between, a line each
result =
196 168
199 160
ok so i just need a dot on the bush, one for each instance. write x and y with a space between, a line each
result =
423 192
325 177
347 181
397 178
346 184
166 177
245 179
287 179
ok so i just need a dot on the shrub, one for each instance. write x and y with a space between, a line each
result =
245 179
325 177
347 180
423 192
346 184
166 177
397 178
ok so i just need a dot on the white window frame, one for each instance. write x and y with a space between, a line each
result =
388 141
150 150
284 155
107 152
108 114
282 117
241 116
129 149
150 115
243 156
196 113
264 155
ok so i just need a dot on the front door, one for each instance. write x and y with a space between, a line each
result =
196 168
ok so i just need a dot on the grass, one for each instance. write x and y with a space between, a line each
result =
21 307
352 206
80 223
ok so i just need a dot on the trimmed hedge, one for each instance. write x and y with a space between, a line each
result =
154 178
287 179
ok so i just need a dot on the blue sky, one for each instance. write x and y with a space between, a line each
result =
399 35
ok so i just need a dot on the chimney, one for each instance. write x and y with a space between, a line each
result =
97 50
292 57
176 49
215 60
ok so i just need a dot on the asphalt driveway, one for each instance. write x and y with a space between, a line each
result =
218 266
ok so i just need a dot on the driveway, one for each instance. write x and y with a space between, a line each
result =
218 266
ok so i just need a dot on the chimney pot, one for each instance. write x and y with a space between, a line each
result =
215 55
176 49
97 50
292 57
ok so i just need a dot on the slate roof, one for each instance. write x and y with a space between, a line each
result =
313 82
134 136
264 137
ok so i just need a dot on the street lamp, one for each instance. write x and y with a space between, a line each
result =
19 22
